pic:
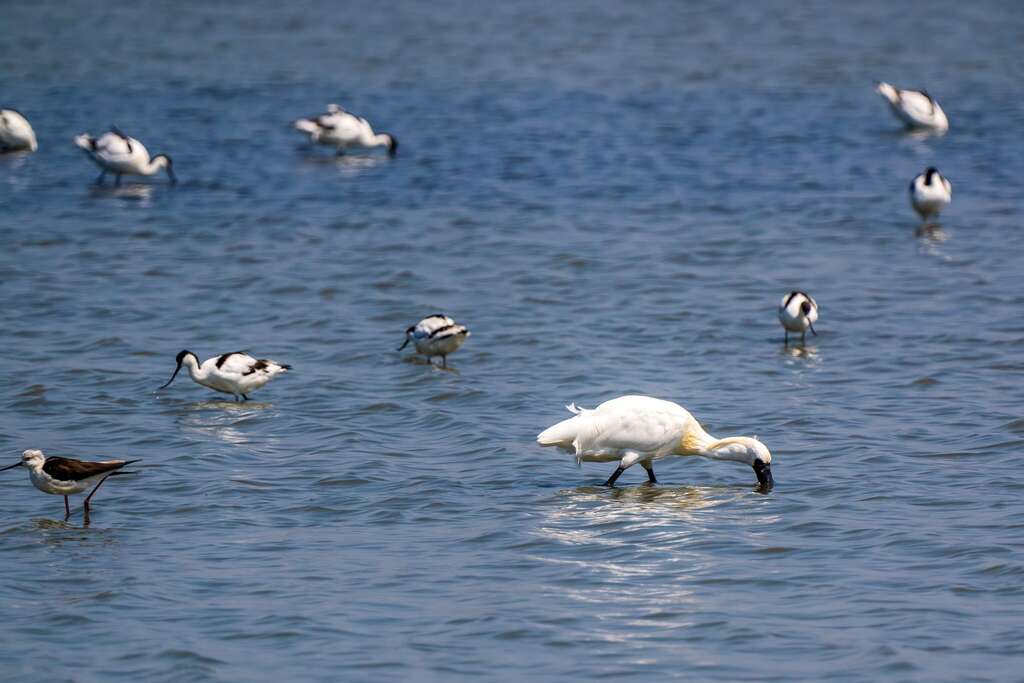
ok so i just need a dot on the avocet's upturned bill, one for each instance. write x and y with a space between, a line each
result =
436 335
67 476
798 312
235 373
344 131
123 155
16 132
930 192
641 429
916 108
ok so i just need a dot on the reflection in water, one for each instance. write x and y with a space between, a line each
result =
348 164
140 192
807 355
219 419
922 133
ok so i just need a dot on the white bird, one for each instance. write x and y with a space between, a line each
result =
16 132
798 312
233 373
930 192
916 108
436 335
343 130
67 476
120 154
641 429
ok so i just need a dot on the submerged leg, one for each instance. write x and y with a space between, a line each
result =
103 174
67 508
650 474
444 361
615 475
85 505
786 341
117 180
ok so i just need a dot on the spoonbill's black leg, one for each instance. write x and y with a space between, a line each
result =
615 475
650 474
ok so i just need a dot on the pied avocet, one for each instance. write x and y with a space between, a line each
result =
343 130
436 335
930 192
16 132
916 108
235 373
798 312
123 155
67 476
641 429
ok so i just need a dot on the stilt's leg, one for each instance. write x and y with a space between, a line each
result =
650 474
103 174
615 475
67 508
117 180
85 505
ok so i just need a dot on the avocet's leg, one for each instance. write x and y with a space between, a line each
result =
85 505
103 174
245 397
117 180
803 336
67 508
786 341
650 473
615 475
444 361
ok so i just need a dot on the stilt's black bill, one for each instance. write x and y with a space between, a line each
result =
9 467
172 377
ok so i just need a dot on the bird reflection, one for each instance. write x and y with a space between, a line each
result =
218 419
140 192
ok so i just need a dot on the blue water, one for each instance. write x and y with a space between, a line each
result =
613 198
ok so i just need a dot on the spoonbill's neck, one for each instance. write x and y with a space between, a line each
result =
696 441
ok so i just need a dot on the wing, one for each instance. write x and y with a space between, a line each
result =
113 146
917 104
236 362
343 125
69 469
433 324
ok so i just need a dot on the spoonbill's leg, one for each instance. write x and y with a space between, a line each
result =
650 474
85 505
615 475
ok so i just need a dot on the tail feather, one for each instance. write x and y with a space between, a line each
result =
307 126
86 142
562 434
887 91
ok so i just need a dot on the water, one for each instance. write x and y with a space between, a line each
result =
614 199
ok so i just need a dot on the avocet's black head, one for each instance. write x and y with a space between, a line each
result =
763 470
168 166
929 172
408 336
179 360
805 307
392 145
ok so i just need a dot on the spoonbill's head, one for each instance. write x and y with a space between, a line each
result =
752 452
31 459
408 337
186 358
168 165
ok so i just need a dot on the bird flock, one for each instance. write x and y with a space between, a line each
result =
627 429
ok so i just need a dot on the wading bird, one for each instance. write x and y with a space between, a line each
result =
16 132
233 373
641 429
915 108
930 193
343 131
798 312
123 155
67 476
436 335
